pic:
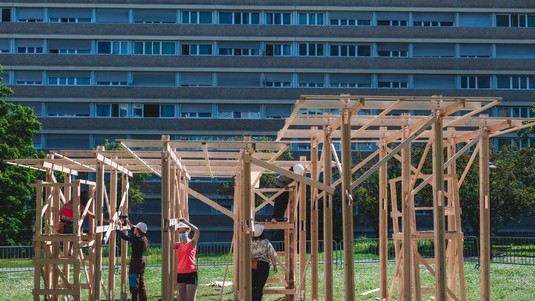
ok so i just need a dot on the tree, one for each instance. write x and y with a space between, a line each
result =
511 189
18 125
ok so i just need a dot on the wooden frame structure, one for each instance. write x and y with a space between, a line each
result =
447 126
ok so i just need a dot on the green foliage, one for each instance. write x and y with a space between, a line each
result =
18 125
511 189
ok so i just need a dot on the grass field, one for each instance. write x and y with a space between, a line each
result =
508 282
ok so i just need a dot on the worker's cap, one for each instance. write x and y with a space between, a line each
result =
298 169
182 225
142 227
258 229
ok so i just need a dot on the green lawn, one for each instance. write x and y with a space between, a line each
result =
508 282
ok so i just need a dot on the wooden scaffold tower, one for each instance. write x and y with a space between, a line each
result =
446 127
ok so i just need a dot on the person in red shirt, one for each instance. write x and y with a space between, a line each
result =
187 278
67 212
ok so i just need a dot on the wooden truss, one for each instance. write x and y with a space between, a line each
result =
448 126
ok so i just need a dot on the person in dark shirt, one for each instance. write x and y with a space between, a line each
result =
136 270
281 201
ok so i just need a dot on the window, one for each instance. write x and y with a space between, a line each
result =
105 15
350 19
277 80
112 110
475 82
69 15
30 50
515 51
244 49
241 111
475 50
433 50
151 110
70 20
392 81
310 19
154 16
111 78
239 18
383 84
232 79
350 50
196 49
195 79
5 46
278 18
433 20
392 53
69 46
278 50
349 22
475 20
196 17
167 111
112 47
514 112
67 141
239 51
431 81
28 78
311 80
137 110
154 79
515 20
28 46
311 49
516 82
30 15
190 110
392 50
154 48
6 14
61 109
394 19
278 111
68 81
394 23
37 107
350 80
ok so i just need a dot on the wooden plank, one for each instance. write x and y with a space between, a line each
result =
211 203
484 217
347 209
327 217
298 104
57 291
278 291
289 174
398 148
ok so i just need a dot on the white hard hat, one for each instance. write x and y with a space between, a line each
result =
299 169
258 229
182 225
142 227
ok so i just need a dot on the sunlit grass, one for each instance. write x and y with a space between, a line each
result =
508 282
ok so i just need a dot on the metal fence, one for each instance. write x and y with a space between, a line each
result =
507 250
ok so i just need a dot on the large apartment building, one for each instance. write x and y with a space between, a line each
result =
209 70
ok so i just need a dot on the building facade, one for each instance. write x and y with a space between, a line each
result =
215 70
